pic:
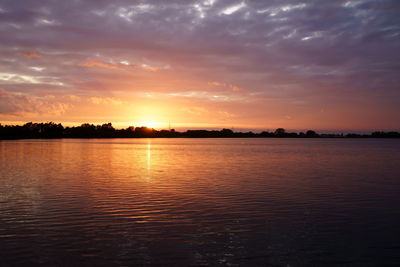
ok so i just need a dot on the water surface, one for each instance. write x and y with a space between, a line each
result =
200 202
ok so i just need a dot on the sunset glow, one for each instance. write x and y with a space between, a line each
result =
215 64
199 132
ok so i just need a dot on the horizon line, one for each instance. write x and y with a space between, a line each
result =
210 127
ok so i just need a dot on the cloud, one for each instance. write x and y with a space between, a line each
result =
232 9
238 51
32 55
99 64
105 101
226 85
196 110
17 104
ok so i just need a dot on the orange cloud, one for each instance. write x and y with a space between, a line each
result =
226 85
19 104
149 68
32 55
105 100
123 65
100 64
194 110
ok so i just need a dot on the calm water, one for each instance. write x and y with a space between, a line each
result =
200 202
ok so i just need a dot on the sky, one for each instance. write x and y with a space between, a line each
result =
323 65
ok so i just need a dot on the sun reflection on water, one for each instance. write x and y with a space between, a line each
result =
148 157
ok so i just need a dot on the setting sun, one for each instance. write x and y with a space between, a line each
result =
149 124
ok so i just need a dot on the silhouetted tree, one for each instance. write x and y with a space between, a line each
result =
280 132
311 133
266 134
144 132
86 130
226 133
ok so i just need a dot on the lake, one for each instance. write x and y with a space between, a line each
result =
200 202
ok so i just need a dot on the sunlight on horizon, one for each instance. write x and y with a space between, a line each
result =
151 124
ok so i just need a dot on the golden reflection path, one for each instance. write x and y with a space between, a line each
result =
148 157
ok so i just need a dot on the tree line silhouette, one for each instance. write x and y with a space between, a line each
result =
53 130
